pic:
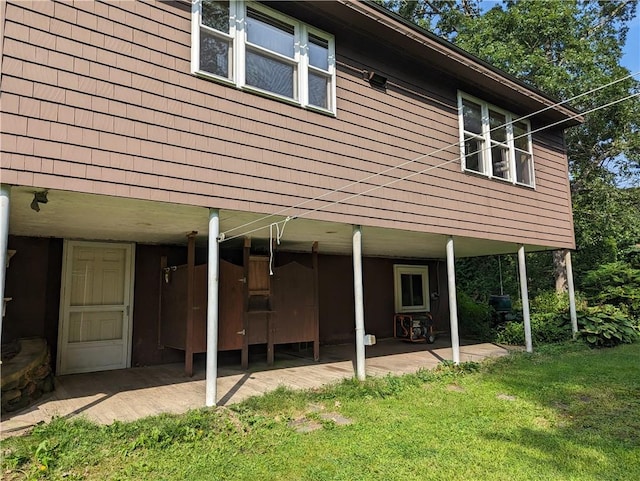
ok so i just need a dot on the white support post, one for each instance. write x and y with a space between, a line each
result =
359 302
572 293
213 271
524 294
5 194
453 303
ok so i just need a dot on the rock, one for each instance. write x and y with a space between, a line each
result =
9 396
30 388
40 372
47 385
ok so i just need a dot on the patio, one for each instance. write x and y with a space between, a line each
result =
130 394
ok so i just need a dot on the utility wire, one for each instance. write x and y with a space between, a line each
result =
413 174
433 167
224 237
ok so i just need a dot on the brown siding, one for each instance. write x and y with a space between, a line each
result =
146 304
33 281
337 316
99 98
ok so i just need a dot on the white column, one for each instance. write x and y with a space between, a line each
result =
359 301
453 303
524 295
5 194
212 308
572 293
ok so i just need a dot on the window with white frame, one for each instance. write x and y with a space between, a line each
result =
494 142
411 285
259 49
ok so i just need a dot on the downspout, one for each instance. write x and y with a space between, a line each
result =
213 270
5 194
359 301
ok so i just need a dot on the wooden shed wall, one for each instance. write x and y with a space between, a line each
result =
98 98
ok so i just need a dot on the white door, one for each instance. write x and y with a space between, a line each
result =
95 311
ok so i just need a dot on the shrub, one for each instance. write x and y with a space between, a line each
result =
475 318
617 283
607 326
546 328
550 322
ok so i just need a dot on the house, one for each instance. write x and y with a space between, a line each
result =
160 159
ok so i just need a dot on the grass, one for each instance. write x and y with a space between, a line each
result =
564 413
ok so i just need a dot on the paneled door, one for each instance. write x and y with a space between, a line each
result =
95 307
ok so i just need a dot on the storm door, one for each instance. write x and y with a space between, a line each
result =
97 293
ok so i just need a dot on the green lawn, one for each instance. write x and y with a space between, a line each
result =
566 412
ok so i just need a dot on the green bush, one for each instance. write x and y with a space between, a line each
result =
475 318
546 328
550 322
607 326
617 283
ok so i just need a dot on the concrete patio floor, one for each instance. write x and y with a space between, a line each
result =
130 394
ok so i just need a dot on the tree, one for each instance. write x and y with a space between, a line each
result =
565 48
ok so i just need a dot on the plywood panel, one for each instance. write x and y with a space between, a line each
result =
231 306
173 309
294 303
200 277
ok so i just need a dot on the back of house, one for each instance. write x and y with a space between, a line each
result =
128 126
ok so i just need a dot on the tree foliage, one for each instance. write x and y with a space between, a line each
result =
565 48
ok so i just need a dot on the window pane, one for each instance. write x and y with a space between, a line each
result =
214 54
500 161
215 14
497 126
473 159
520 137
412 293
523 168
416 290
472 115
318 52
270 33
269 74
318 90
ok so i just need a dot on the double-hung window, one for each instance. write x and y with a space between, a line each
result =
259 49
494 142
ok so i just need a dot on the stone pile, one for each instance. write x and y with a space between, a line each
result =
26 376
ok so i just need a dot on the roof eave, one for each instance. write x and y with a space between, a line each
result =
470 62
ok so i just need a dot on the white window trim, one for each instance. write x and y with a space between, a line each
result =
398 270
485 154
238 41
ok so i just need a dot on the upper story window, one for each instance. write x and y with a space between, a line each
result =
494 142
256 48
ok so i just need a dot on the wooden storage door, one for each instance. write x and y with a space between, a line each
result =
293 288
231 306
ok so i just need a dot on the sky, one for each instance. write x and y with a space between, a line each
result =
631 58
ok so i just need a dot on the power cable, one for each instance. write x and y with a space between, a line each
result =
442 149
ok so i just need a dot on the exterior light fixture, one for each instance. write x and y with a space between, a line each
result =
376 80
39 198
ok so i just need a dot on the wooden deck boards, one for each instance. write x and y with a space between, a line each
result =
131 394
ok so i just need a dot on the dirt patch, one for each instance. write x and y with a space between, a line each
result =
455 388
